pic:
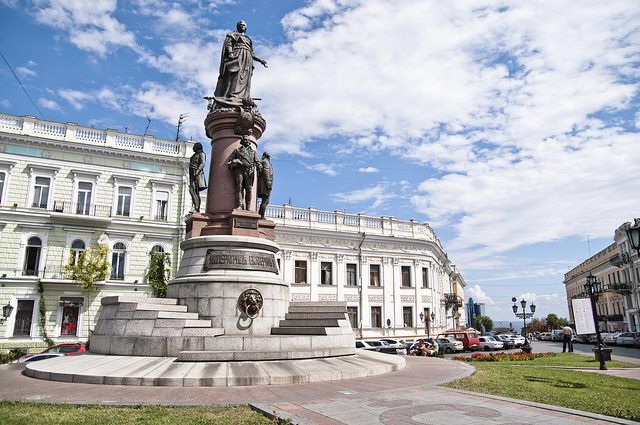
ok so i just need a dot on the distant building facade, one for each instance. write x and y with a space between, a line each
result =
64 188
618 268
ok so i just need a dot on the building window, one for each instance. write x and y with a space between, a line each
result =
41 192
24 318
352 312
32 256
352 275
123 204
407 316
162 205
425 277
70 315
300 271
376 317
406 276
3 178
83 201
325 273
374 274
118 258
157 249
77 247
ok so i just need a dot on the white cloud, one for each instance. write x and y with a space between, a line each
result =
49 104
91 25
478 295
368 170
25 72
75 97
378 194
5 104
327 169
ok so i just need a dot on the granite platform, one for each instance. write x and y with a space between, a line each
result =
166 371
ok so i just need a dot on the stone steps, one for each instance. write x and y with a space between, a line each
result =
342 304
313 323
199 323
177 315
317 308
161 307
117 299
299 330
213 356
315 316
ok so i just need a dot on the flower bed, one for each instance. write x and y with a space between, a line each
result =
502 357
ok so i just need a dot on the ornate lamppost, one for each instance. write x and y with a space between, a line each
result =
524 316
633 234
593 288
427 320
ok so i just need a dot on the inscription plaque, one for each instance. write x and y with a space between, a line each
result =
245 223
240 260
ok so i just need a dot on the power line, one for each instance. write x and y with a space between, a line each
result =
21 85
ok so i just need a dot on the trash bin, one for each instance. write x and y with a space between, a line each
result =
606 353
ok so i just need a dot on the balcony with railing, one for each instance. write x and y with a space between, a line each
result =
76 208
71 132
621 288
343 222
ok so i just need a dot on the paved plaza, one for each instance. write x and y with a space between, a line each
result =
407 396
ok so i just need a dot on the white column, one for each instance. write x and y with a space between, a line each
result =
313 275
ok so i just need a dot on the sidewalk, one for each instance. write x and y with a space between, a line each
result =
408 396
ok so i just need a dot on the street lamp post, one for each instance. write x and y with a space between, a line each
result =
427 320
524 316
594 287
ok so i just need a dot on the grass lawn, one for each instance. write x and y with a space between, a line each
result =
591 392
19 413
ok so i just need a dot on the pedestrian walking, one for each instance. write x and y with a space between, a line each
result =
567 334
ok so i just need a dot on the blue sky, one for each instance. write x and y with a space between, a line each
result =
511 127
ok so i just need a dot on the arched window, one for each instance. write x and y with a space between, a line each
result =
77 247
157 249
32 256
118 258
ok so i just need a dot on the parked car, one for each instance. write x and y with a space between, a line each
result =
383 346
395 343
490 343
610 338
366 346
626 339
451 345
506 340
55 351
518 340
545 336
468 338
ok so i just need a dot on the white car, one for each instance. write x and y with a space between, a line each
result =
610 338
518 339
626 338
364 345
489 343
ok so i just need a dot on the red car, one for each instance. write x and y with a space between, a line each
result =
54 351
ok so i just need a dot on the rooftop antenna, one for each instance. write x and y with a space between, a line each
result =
147 127
181 121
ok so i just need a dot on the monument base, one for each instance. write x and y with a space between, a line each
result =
234 223
159 371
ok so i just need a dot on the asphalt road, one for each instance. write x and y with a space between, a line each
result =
631 355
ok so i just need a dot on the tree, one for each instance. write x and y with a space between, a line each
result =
555 322
537 325
484 320
158 273
91 266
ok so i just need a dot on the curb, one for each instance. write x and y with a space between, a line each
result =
549 407
275 414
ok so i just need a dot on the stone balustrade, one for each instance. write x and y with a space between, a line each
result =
71 132
339 221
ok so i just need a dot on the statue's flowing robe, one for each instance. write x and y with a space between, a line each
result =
234 80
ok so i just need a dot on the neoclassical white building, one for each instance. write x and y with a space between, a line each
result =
63 187
618 268
389 271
